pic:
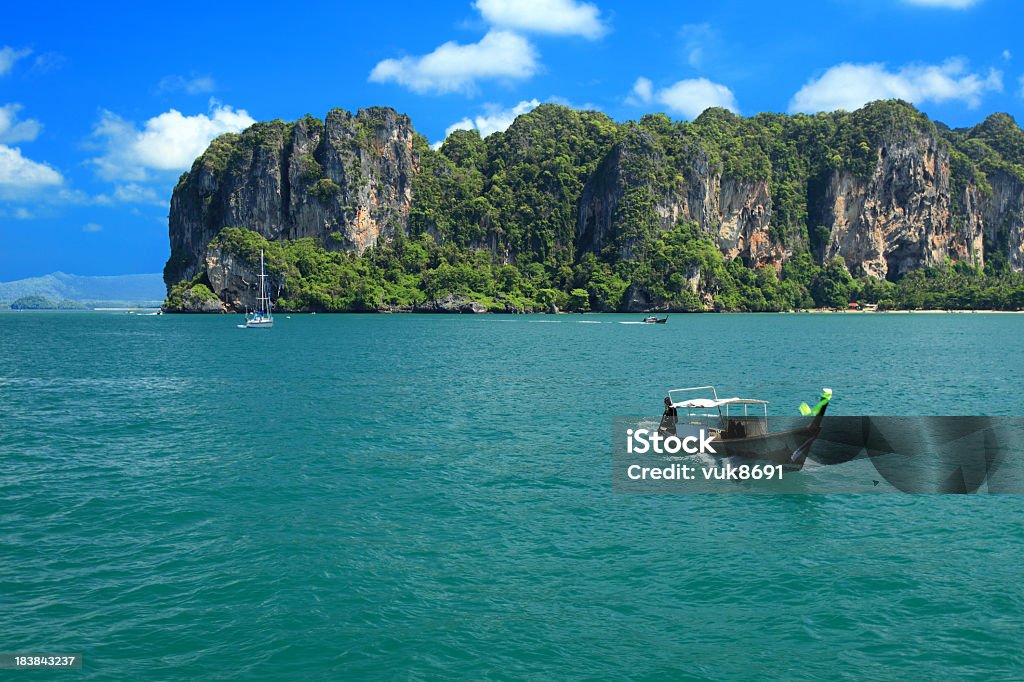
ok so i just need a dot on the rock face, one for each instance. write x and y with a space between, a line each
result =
899 215
236 280
635 178
346 181
883 188
625 180
897 219
453 303
1002 216
191 303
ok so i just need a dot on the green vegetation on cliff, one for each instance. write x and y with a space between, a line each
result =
683 271
995 145
521 186
499 220
192 297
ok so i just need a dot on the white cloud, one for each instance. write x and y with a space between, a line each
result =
849 86
168 142
642 92
456 68
196 85
22 177
133 193
9 57
1007 55
13 130
22 213
691 97
1021 82
494 120
947 4
92 227
555 17
688 98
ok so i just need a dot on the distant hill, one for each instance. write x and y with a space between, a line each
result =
115 289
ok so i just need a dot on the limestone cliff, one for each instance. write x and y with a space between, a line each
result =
883 187
636 191
236 279
347 181
1002 216
896 219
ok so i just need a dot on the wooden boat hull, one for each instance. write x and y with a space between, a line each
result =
788 448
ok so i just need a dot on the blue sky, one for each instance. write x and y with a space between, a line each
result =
102 107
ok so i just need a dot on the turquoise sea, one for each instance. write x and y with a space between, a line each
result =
429 497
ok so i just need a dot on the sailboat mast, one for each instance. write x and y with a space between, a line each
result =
266 289
263 284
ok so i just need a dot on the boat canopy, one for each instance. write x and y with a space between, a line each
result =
706 403
680 399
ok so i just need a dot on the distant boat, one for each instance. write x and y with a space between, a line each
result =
263 316
654 319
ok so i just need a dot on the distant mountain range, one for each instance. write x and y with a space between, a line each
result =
114 290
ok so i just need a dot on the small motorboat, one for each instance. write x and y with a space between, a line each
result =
654 319
740 427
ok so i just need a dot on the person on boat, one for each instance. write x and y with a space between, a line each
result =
669 419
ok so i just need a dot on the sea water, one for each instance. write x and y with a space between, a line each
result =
429 497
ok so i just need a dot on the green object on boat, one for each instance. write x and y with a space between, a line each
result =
823 399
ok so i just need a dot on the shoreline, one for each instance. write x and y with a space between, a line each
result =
904 311
808 311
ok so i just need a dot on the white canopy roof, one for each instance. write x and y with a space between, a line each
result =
707 403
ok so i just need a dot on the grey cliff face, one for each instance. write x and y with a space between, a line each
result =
346 182
736 213
236 280
1003 216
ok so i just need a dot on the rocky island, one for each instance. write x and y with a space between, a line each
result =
570 210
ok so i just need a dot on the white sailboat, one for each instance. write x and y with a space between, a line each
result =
262 317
